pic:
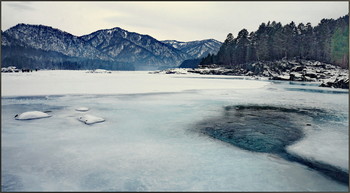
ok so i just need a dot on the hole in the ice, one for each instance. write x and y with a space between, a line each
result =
260 128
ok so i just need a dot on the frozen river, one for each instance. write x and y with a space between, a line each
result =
152 138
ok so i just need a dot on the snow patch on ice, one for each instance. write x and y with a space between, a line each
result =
83 109
31 115
90 119
99 71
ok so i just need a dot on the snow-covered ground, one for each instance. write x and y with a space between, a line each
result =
122 82
147 143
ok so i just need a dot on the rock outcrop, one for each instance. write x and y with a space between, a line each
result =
289 70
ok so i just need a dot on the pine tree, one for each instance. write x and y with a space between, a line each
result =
241 47
327 42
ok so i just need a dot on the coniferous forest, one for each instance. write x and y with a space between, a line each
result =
327 42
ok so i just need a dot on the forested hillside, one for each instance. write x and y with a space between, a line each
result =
327 42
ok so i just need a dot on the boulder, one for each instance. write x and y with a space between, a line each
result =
337 83
281 77
297 69
295 76
311 74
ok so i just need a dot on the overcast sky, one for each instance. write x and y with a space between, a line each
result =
183 21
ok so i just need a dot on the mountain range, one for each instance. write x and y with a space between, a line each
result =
196 49
39 46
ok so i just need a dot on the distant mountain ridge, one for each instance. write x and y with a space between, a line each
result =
51 39
39 46
132 47
196 49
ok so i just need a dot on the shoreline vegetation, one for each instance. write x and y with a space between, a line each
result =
327 42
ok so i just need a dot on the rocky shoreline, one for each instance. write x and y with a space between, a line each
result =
288 70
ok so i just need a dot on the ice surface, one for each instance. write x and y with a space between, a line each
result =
148 142
90 119
31 115
79 82
333 149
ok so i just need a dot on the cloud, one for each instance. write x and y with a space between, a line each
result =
165 20
22 6
183 21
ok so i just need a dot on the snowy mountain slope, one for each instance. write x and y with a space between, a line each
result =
196 49
133 47
40 45
7 40
51 39
176 44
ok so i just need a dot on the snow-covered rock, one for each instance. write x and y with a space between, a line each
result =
82 109
99 71
281 77
288 70
31 115
10 69
171 71
90 119
337 83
